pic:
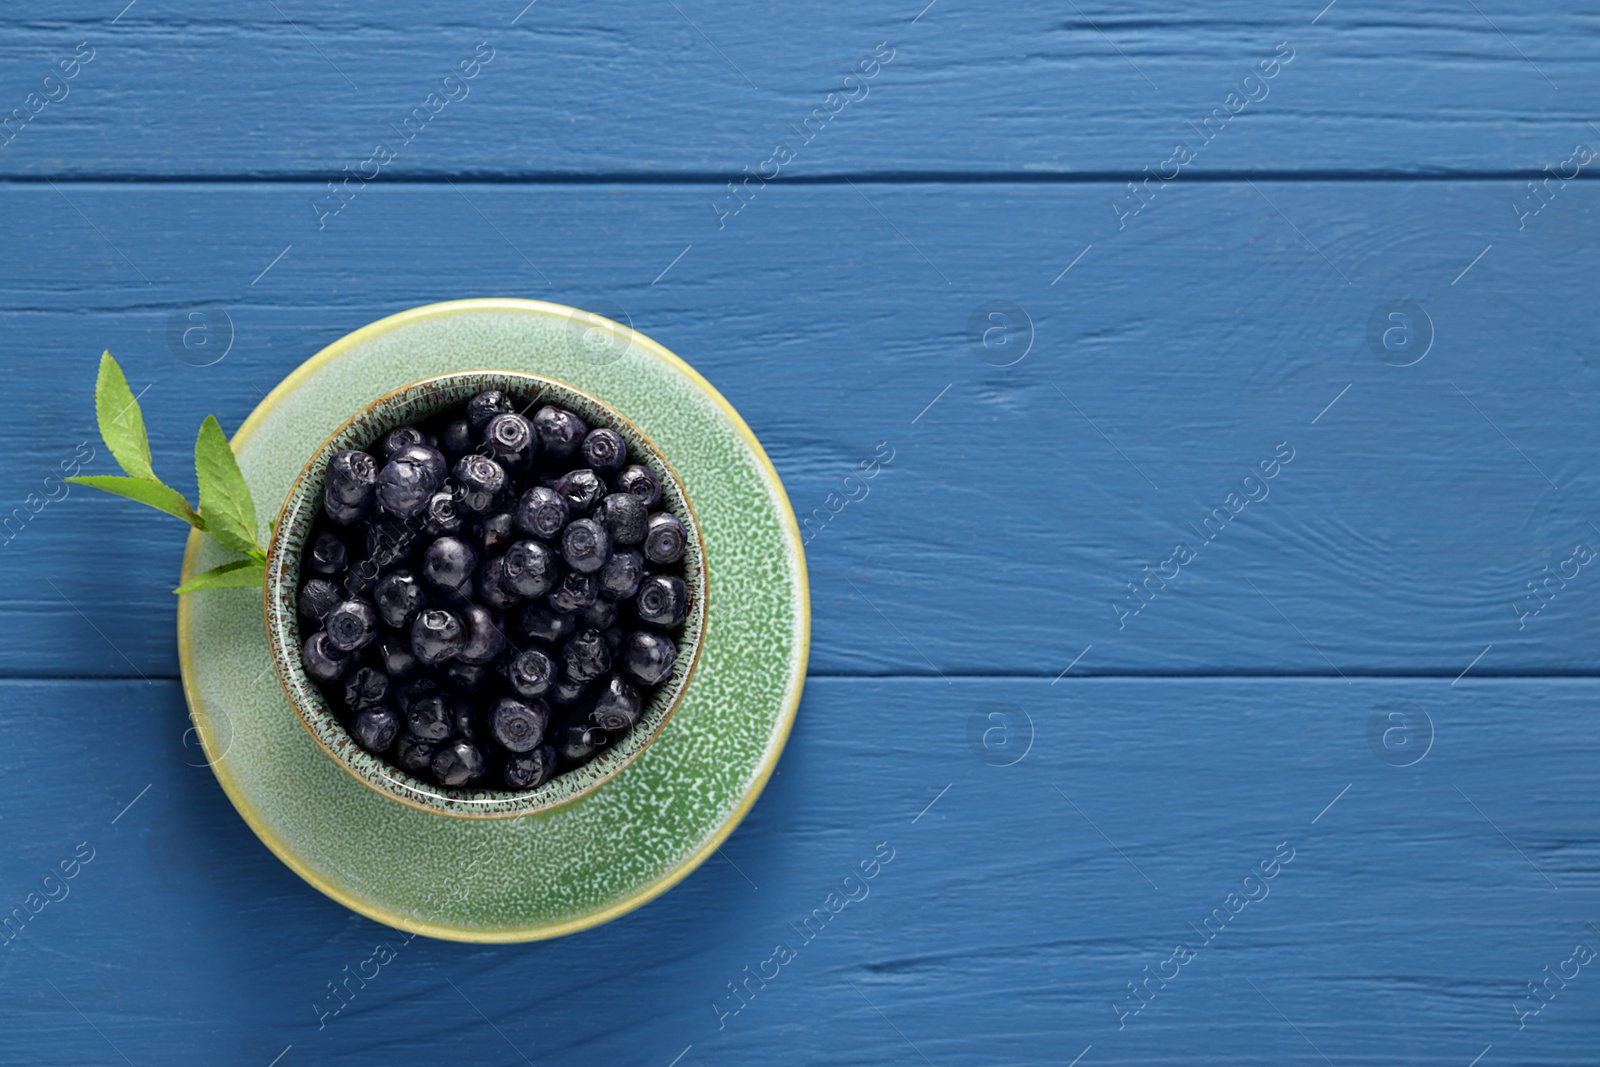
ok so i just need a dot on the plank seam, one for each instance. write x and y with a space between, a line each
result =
717 178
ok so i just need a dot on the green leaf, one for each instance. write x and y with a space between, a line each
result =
145 491
240 574
121 422
225 503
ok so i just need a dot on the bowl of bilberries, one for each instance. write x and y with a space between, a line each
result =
485 593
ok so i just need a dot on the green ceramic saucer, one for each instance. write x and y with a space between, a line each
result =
557 871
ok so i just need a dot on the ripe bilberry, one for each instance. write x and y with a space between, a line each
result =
352 625
436 636
640 481
375 728
605 451
458 763
531 569
518 725
482 480
560 432
662 600
647 657
511 441
349 487
625 516
664 538
585 545
399 596
541 512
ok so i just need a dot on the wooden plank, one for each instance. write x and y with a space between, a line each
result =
1021 899
1171 360
298 88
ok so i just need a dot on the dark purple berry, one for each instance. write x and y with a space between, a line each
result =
560 433
482 481
582 489
361 579
531 673
620 577
539 622
429 456
511 441
352 625
495 532
328 556
399 596
662 600
448 566
614 636
531 568
574 592
465 677
458 763
437 636
616 704
647 657
317 598
375 728
585 657
485 406
542 512
576 743
605 451
467 720
492 587
640 482
414 754
458 439
585 545
665 538
348 487
414 691
442 515
365 687
568 693
518 725
485 640
625 518
529 770
430 718
322 661
601 614
406 482
398 659
390 541
404 437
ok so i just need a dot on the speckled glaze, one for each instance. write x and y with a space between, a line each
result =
611 850
414 403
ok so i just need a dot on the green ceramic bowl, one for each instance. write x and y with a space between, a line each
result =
569 867
416 402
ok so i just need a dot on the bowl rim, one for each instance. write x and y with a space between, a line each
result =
446 803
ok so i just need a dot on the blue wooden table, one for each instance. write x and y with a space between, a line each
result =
1210 665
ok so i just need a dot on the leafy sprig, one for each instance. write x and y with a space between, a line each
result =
226 511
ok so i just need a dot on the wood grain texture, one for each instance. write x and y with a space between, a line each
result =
296 88
1069 788
1225 322
1013 913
